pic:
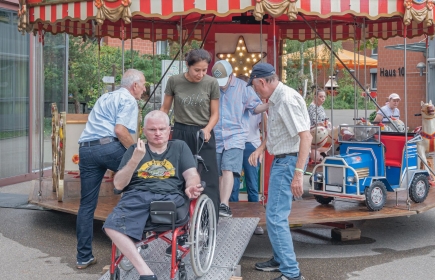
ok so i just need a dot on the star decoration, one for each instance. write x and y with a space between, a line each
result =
241 59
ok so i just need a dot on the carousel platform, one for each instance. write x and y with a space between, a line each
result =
306 211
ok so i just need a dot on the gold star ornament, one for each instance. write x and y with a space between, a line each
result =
241 59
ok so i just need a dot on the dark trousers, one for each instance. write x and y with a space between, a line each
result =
187 133
93 164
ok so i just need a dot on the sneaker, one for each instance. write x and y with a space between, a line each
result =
283 277
225 211
269 266
82 265
259 231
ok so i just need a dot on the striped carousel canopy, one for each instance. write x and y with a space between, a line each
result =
294 19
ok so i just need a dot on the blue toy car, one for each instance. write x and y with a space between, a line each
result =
369 165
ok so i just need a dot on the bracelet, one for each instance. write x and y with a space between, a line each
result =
300 170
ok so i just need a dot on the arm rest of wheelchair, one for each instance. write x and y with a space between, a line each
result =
163 212
116 191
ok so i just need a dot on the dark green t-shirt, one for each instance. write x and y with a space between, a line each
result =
161 173
192 100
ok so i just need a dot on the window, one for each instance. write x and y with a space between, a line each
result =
373 79
14 97
375 51
162 47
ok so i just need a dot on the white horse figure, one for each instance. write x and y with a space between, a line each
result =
427 145
319 142
399 124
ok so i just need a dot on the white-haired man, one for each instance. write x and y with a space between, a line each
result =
141 184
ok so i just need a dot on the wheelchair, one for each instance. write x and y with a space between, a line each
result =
192 224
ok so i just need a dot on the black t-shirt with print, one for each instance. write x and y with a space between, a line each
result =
161 173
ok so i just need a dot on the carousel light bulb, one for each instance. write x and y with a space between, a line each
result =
233 59
243 48
255 60
285 45
245 68
284 51
227 59
241 54
238 48
246 74
259 55
234 74
240 41
228 55
237 68
248 59
250 71
221 55
253 55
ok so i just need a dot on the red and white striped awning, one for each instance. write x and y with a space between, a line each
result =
158 19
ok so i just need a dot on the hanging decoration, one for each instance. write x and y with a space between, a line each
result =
241 59
276 8
418 10
23 17
113 14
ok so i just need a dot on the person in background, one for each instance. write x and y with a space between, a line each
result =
315 109
288 140
128 219
390 109
195 96
236 102
103 143
250 172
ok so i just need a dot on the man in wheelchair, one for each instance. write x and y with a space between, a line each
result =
155 171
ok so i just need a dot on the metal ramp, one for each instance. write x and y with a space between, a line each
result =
233 235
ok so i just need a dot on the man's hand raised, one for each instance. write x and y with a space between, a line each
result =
139 151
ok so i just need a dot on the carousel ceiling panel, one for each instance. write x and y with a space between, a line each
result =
158 19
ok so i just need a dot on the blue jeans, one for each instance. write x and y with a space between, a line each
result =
279 204
251 177
93 164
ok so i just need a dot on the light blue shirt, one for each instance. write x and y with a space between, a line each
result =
112 108
231 131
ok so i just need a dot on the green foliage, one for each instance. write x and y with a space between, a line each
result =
373 116
298 67
174 47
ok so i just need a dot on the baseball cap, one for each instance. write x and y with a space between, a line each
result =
222 70
261 70
394 96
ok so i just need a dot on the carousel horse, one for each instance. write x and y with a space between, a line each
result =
390 127
427 132
319 143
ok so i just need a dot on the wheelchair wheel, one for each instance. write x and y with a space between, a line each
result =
202 236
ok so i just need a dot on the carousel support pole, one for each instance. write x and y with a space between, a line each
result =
406 115
131 43
122 44
332 79
208 31
66 72
355 110
365 67
347 69
263 132
274 43
180 37
154 53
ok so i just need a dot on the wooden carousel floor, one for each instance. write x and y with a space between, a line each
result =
306 211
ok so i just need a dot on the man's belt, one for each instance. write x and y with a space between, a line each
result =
102 141
284 155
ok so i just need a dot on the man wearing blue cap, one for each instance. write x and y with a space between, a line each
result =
231 131
288 140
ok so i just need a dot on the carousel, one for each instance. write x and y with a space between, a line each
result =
244 32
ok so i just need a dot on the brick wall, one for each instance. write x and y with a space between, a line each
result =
416 84
143 46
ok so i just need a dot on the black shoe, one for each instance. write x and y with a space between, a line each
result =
225 211
269 266
283 277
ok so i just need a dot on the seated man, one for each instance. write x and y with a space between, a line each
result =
150 172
